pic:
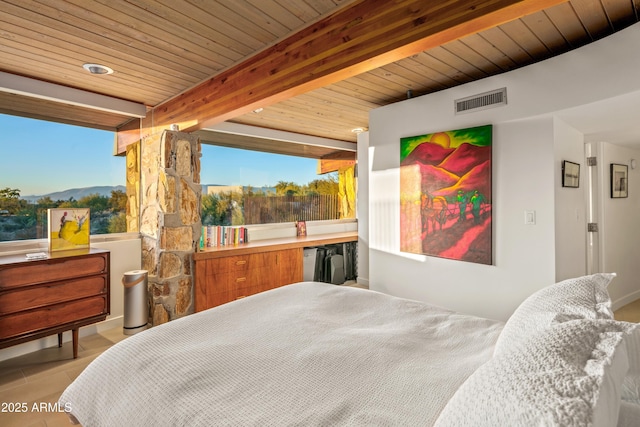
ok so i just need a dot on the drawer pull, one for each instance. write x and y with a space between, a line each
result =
241 279
241 262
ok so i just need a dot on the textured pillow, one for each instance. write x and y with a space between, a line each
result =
569 375
580 298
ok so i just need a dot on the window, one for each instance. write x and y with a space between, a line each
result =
47 165
243 187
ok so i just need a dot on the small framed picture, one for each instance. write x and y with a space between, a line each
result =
301 228
68 229
619 181
570 174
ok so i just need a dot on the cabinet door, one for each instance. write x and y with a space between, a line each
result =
290 266
211 277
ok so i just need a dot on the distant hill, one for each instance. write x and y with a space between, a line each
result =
475 179
428 154
77 193
465 158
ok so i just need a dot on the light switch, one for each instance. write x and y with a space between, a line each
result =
529 217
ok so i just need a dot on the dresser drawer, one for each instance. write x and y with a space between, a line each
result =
261 277
52 316
240 263
37 296
220 298
253 261
53 270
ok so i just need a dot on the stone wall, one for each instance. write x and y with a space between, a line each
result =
133 187
170 223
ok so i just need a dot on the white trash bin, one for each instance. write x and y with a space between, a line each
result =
136 311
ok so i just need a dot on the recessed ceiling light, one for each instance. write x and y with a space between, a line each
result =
258 110
357 130
97 69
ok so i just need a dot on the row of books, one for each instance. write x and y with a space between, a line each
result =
223 235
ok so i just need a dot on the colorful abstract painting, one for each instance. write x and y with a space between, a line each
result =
445 194
68 229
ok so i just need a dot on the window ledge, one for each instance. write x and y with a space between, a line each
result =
42 245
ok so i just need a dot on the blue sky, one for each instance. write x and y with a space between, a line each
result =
39 157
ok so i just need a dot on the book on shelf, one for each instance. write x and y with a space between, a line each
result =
223 235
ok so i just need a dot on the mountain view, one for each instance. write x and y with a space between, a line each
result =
77 193
26 217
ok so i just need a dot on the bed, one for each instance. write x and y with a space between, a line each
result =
315 354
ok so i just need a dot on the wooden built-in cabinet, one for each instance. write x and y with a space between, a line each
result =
48 296
220 280
224 274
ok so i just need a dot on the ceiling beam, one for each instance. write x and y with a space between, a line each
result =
25 86
245 142
281 135
364 35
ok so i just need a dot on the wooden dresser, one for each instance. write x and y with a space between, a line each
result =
227 273
44 297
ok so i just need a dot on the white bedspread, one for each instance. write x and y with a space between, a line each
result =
307 354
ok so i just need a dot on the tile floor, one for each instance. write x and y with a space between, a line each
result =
629 313
41 377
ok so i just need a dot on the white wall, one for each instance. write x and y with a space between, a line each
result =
620 227
529 143
523 254
125 256
362 208
570 205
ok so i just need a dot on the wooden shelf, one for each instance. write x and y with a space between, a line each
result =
276 245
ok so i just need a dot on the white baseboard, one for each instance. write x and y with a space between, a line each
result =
627 299
362 281
52 341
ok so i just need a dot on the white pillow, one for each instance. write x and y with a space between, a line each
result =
569 375
580 298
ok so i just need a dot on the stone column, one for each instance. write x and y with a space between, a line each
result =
170 223
133 187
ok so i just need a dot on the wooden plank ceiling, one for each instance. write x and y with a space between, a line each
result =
161 49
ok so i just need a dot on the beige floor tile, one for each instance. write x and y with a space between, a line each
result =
99 342
41 377
37 390
58 420
47 361
629 313
28 418
68 364
11 378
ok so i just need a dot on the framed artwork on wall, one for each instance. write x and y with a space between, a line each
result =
570 174
446 194
68 229
619 181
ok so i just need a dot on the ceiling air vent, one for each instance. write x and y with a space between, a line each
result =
491 99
